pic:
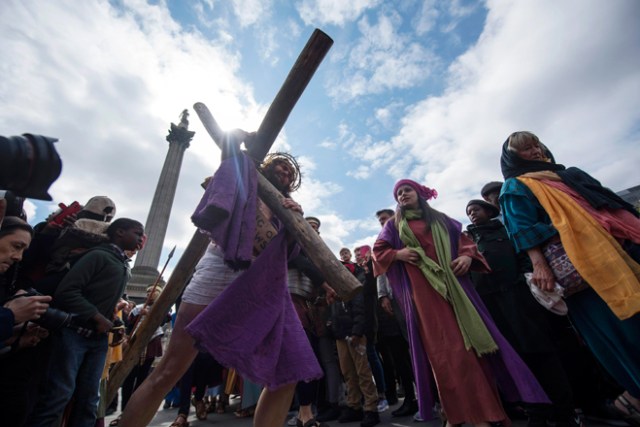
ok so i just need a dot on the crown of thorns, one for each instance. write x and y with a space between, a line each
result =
273 159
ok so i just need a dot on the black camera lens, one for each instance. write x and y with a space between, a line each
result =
28 165
54 319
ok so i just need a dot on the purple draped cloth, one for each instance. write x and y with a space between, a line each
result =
227 210
515 381
252 326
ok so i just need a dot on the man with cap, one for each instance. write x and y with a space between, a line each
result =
491 191
522 321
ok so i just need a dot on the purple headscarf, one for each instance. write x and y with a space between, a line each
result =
424 192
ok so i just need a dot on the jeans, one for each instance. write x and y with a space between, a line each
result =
376 368
77 365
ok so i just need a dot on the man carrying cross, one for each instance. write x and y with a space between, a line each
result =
220 303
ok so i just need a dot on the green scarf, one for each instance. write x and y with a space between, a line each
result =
474 332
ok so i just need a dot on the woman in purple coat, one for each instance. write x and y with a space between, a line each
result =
453 339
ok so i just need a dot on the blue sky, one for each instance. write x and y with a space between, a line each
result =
421 89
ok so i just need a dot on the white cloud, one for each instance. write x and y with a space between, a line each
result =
250 12
571 78
268 44
361 172
387 115
107 82
382 59
425 19
334 12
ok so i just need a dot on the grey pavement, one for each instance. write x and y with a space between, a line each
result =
164 418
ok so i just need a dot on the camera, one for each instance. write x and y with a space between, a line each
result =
29 164
52 319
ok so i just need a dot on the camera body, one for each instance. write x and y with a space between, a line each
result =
52 319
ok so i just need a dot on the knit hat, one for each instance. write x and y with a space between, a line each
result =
365 249
490 188
424 192
313 219
493 211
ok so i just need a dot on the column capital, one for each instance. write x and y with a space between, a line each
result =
180 135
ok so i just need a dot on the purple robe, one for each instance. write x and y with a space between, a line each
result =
227 210
252 325
514 379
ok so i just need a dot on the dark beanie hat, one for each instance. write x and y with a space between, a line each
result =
493 211
490 188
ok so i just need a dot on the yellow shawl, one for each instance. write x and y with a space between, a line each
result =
596 255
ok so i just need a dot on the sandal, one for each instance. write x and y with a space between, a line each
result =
311 423
181 421
244 413
220 407
631 414
201 410
115 422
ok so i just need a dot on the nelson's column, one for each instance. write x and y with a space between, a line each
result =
145 271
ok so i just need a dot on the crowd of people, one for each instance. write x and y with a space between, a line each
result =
447 320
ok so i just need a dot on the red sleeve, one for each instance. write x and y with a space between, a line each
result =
383 257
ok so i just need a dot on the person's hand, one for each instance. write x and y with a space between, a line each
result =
460 265
118 333
129 307
103 325
293 205
385 303
356 340
543 276
407 255
331 294
28 308
53 228
121 305
32 336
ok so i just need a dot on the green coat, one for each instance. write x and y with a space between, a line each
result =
94 284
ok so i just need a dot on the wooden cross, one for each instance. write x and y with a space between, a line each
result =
340 279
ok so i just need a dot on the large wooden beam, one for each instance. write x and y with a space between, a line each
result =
340 279
301 73
335 274
291 90
148 325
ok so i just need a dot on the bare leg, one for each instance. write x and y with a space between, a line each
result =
273 406
305 413
181 352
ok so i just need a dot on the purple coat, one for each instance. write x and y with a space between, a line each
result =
514 379
252 325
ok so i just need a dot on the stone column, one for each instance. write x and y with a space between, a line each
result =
145 270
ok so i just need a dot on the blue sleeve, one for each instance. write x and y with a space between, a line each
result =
526 221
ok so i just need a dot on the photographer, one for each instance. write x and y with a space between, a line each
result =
15 237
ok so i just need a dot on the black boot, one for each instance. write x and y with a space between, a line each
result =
409 407
329 414
370 419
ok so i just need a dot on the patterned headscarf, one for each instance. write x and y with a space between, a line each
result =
424 192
